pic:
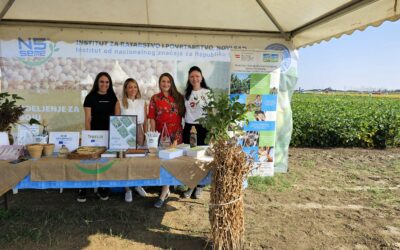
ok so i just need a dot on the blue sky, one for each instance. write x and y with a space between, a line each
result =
368 59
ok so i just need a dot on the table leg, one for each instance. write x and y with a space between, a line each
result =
5 200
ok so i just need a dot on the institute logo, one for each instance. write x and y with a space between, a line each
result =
270 57
287 58
34 52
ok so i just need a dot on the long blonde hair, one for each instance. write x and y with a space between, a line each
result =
125 96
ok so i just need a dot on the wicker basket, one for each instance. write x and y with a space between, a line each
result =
35 150
48 149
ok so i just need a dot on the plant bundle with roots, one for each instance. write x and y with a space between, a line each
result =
230 168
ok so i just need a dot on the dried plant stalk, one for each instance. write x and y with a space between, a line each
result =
230 167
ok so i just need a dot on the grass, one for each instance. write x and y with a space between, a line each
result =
308 164
383 196
278 182
18 229
394 163
52 227
40 223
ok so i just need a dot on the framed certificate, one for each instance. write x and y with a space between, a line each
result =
123 132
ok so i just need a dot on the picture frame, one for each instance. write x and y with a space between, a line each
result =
123 132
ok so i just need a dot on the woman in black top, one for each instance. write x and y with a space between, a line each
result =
100 103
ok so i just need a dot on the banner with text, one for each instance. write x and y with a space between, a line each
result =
55 77
53 69
255 78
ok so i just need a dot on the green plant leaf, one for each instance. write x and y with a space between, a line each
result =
34 121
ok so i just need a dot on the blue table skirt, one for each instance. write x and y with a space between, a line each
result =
165 179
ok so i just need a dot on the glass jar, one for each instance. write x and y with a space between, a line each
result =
63 152
193 137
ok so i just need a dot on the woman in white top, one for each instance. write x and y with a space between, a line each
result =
196 97
132 104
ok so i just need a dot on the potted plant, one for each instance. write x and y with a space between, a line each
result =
230 168
10 112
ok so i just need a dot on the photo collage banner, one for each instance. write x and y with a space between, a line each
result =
255 76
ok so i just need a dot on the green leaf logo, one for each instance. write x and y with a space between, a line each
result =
95 171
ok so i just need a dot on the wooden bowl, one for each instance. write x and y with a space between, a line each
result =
35 150
48 149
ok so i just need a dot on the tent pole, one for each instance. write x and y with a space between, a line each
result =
5 201
7 6
273 20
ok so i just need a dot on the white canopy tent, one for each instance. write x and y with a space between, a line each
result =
153 25
302 22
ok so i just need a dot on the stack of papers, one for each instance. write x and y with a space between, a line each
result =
109 153
135 153
184 147
196 152
170 153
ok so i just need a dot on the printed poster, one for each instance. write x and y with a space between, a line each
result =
123 132
54 76
255 76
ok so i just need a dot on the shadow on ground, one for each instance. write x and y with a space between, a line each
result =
47 219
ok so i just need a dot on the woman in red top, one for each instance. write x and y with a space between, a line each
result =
167 108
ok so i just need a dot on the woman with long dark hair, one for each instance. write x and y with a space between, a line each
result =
100 103
165 111
196 97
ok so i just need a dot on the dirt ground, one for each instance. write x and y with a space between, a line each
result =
330 199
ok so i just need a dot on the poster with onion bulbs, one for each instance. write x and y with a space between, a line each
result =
54 77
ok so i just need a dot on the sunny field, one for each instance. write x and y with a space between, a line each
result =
346 120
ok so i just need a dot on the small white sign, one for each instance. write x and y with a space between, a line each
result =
69 139
27 134
263 169
40 139
95 138
4 138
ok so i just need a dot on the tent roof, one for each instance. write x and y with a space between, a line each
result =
303 22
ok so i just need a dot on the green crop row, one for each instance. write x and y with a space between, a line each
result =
339 120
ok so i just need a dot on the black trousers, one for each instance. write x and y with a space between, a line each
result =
201 134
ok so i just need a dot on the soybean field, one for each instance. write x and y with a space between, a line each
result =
346 120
